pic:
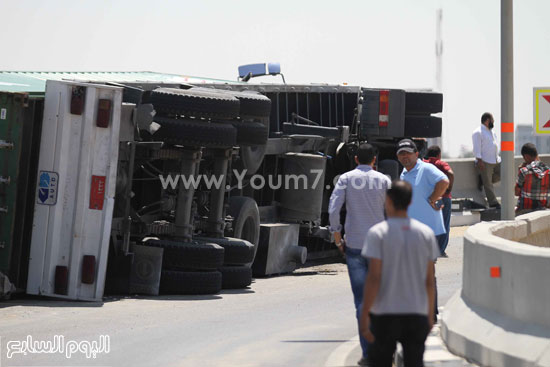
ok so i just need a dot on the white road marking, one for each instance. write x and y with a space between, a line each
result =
339 355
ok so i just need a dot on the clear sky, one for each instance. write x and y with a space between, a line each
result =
388 43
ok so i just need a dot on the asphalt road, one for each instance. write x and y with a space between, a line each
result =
302 319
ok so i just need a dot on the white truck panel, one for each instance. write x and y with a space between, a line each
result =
79 153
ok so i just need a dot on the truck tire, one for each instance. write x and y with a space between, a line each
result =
190 282
422 146
236 251
253 104
197 102
423 103
189 255
250 133
251 157
246 221
195 133
236 277
423 126
389 167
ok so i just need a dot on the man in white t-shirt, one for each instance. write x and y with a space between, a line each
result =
487 161
398 304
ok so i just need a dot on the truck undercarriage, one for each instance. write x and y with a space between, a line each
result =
221 182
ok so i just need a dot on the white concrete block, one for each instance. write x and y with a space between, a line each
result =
501 318
465 218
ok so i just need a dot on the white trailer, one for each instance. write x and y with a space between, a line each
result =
75 192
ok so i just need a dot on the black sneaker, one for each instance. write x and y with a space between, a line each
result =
363 362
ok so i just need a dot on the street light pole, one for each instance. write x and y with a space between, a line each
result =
507 108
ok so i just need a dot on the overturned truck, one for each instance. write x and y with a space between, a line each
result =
211 182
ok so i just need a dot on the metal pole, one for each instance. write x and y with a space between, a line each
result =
439 72
508 173
438 77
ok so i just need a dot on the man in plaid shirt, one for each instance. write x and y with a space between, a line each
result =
533 182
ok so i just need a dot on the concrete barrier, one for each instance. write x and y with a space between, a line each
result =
501 316
465 185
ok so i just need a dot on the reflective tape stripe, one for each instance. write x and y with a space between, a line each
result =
507 127
383 120
507 146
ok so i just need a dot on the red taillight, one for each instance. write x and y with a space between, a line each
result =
88 269
77 100
61 280
383 112
103 113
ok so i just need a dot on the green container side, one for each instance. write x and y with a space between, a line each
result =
11 127
34 82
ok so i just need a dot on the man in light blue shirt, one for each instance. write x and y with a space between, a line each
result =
363 190
428 184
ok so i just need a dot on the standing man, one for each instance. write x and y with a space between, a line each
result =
487 158
400 287
533 183
363 190
434 157
428 185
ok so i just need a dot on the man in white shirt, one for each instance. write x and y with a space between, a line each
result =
487 158
363 191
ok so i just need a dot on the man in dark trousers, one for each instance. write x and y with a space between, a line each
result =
400 287
487 160
363 191
428 185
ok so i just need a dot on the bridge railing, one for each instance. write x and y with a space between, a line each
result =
501 317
